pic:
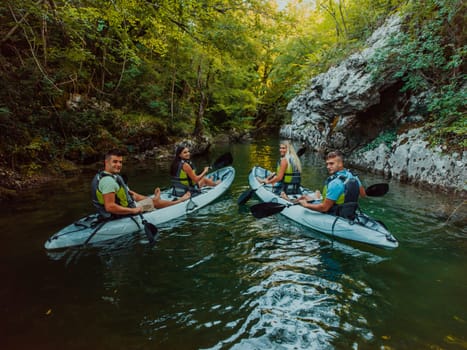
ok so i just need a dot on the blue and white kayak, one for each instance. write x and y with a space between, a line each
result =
363 229
90 229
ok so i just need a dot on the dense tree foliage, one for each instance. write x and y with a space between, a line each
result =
429 57
79 76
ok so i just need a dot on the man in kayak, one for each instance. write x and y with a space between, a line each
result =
111 195
287 177
334 192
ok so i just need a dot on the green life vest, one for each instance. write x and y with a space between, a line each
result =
181 182
122 197
290 183
291 175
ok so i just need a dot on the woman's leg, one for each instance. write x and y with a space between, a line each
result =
161 203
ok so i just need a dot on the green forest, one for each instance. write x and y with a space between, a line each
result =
80 76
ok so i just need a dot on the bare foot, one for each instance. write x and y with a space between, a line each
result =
157 193
284 196
217 182
185 196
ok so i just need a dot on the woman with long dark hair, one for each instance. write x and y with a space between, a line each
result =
183 173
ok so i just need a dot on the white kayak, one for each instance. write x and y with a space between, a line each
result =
363 229
90 230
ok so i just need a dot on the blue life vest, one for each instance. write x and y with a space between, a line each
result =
347 203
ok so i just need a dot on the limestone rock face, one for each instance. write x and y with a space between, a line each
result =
410 159
339 99
345 108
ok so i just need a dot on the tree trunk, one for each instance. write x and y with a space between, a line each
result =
203 101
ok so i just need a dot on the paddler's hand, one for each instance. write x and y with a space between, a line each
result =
138 210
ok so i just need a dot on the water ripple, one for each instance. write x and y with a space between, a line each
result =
293 301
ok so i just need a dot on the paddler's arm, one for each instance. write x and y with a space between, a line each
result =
279 176
262 181
361 189
362 192
321 207
189 171
113 208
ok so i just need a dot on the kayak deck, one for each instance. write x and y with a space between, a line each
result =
92 229
363 229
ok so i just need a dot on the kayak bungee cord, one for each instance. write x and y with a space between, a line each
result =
99 226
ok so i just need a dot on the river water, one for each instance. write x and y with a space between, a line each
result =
220 279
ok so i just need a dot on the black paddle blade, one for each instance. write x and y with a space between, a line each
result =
301 151
244 197
224 160
377 190
151 232
263 210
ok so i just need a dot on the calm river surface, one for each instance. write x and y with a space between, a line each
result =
220 279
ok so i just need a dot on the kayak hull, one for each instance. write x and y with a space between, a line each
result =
89 230
365 230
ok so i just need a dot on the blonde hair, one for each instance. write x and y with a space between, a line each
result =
291 152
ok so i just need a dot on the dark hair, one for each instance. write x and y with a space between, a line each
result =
113 152
335 154
176 160
179 150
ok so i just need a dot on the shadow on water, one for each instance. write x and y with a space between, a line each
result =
221 279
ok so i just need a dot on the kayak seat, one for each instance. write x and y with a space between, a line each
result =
347 210
179 190
290 189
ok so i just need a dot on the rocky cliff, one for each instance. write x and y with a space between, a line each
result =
346 108
410 159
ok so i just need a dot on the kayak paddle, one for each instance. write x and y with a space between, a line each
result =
301 151
245 196
377 190
262 210
149 229
223 161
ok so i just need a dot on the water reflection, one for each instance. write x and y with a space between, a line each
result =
298 296
220 279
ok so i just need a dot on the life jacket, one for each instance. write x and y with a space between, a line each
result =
122 197
290 183
181 182
347 203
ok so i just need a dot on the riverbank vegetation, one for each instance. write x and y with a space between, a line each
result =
81 76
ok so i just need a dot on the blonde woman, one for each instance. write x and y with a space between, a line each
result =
287 177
